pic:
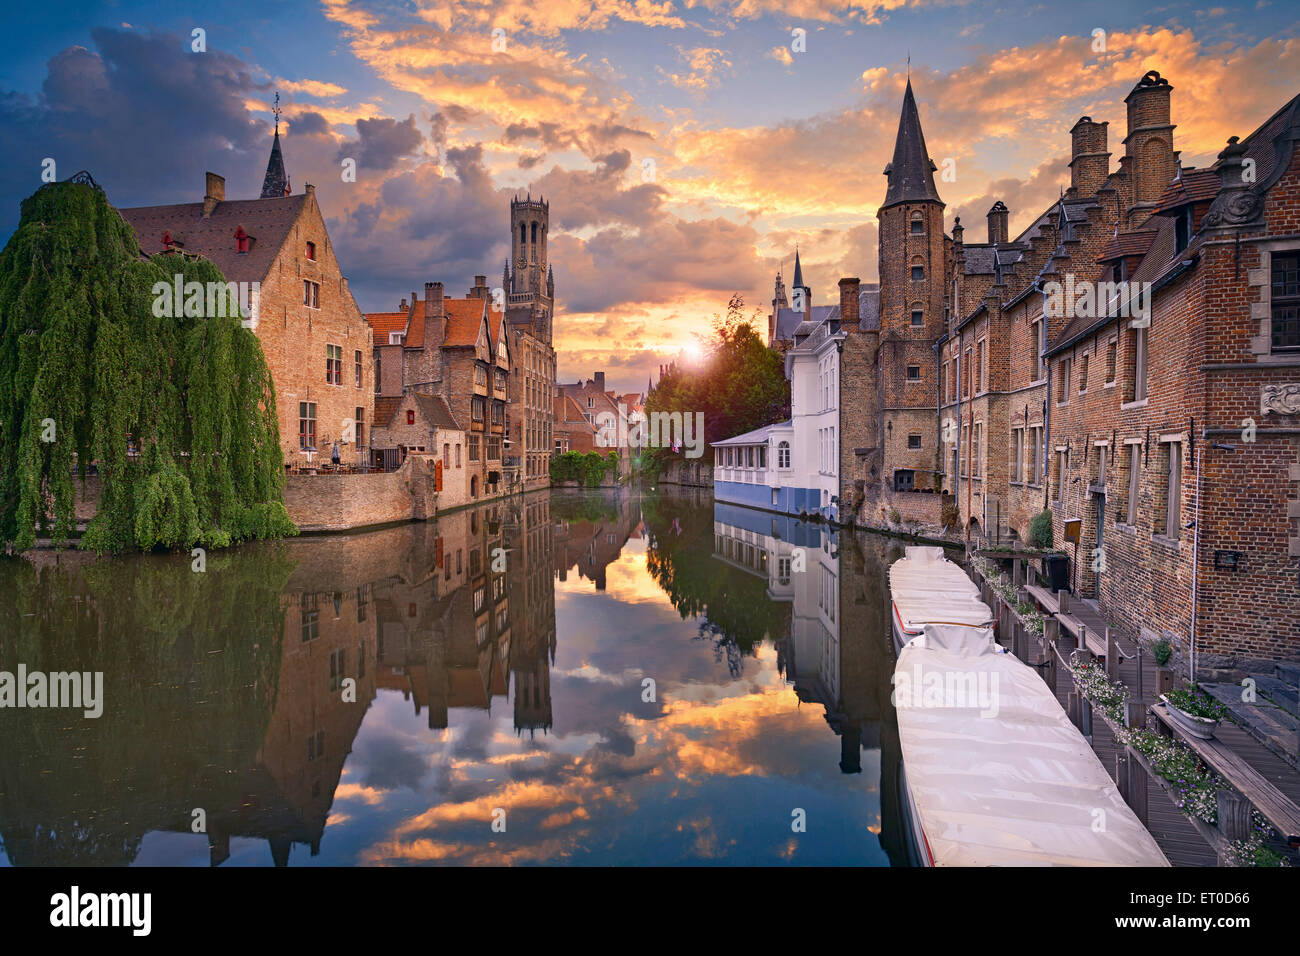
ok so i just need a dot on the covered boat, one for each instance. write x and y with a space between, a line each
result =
926 588
996 775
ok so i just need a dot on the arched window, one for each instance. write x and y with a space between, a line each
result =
783 455
534 233
523 235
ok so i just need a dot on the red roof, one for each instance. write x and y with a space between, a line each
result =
1192 186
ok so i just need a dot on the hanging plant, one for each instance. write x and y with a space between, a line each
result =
176 412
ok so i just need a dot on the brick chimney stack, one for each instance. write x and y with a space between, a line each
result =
1089 157
435 314
600 382
998 216
480 290
1149 145
849 302
215 193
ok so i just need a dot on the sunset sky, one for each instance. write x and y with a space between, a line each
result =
753 147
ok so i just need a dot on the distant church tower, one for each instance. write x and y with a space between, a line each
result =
528 273
276 183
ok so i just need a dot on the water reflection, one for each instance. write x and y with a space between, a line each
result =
618 678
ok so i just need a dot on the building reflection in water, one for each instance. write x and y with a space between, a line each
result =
232 693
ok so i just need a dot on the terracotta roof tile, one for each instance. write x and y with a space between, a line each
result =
385 323
435 411
464 317
386 407
267 221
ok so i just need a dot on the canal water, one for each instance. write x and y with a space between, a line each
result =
615 677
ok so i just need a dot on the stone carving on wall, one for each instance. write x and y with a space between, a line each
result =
1284 399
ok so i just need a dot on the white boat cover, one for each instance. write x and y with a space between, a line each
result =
1000 777
928 588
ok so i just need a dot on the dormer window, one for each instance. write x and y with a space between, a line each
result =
242 240
1182 228
311 251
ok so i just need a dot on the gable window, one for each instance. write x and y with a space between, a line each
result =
306 424
1285 299
311 294
333 365
311 251
410 416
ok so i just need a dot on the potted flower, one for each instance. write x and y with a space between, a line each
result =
1194 711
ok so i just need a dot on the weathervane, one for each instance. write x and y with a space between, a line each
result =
276 110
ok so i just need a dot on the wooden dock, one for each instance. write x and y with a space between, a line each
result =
1262 779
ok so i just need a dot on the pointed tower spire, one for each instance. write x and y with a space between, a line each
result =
798 270
276 183
911 174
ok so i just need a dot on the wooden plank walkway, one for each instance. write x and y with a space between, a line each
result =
1177 836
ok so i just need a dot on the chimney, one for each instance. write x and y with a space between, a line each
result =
998 222
435 314
216 192
849 301
1089 158
1149 145
402 307
600 382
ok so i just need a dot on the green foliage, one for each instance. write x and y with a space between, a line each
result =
740 385
1162 650
1040 529
81 348
588 469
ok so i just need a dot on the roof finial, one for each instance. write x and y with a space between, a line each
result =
909 66
276 110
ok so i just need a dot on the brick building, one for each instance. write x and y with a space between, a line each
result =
1128 362
316 342
457 350
417 422
608 413
573 430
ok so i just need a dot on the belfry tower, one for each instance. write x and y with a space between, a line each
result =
531 281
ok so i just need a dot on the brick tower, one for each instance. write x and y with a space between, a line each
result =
912 271
532 284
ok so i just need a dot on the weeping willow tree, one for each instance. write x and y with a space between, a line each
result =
177 411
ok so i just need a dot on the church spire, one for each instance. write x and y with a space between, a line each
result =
276 183
911 174
798 270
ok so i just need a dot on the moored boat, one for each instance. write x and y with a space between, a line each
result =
996 774
926 588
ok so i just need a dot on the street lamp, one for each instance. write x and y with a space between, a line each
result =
1195 524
